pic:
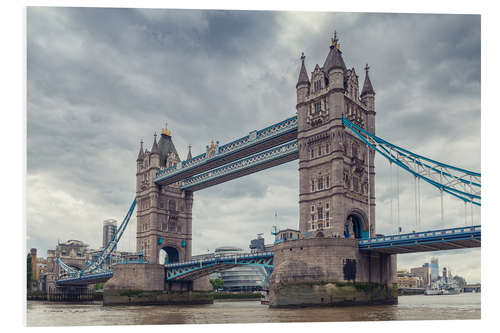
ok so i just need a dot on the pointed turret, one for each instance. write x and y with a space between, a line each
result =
154 149
367 86
140 157
334 58
303 78
303 84
189 156
167 148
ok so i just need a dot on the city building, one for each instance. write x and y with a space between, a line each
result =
405 279
434 266
257 244
108 231
423 272
36 275
241 278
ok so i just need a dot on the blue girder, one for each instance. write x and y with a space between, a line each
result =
429 237
460 183
257 137
182 271
94 267
253 161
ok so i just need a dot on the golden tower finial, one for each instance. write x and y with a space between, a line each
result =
335 35
166 131
338 46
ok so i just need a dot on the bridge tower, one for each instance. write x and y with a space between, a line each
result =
337 194
336 197
164 213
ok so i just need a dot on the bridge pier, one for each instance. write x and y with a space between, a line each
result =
145 284
330 272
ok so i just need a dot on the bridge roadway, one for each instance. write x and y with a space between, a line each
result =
432 240
253 143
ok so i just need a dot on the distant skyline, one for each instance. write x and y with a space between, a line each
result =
100 80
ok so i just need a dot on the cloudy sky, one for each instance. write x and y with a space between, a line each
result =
100 80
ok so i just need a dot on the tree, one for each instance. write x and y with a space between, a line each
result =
217 283
29 274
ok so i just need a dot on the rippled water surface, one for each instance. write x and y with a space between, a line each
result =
420 307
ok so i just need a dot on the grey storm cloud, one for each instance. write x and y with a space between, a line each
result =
100 80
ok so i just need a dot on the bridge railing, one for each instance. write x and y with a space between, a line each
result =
253 160
222 258
249 140
420 235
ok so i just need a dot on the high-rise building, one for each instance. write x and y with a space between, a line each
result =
108 230
36 275
434 269
422 272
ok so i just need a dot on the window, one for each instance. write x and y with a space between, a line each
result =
312 227
327 183
317 107
312 208
327 205
327 215
319 151
320 213
320 183
312 217
312 152
320 225
312 185
327 148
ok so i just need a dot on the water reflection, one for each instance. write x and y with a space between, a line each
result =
462 306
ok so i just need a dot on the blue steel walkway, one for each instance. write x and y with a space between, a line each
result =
432 240
192 270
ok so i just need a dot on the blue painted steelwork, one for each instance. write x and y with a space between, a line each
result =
243 164
94 267
185 270
469 236
252 139
460 183
85 279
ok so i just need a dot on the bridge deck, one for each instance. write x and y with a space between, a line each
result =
255 142
85 279
257 162
192 270
432 240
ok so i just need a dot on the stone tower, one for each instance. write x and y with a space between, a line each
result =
337 196
164 213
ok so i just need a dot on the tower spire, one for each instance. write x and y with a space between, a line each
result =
334 58
166 131
140 157
303 78
367 86
189 156
155 149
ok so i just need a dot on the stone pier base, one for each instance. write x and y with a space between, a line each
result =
144 284
330 272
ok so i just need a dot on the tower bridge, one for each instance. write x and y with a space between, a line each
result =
334 138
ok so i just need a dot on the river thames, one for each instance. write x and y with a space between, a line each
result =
418 307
